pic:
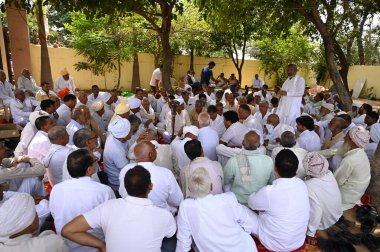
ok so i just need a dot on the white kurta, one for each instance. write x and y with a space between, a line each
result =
216 223
309 141
299 152
353 176
260 118
64 113
125 223
218 125
283 214
60 84
54 161
181 158
209 139
253 122
289 107
166 192
325 203
39 146
234 135
71 128
181 120
26 137
6 93
21 111
74 197
26 84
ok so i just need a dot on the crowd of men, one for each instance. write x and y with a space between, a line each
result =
207 168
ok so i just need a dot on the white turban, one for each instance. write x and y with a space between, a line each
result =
191 129
97 106
375 132
119 128
315 164
360 136
341 113
134 103
16 214
328 106
180 101
37 114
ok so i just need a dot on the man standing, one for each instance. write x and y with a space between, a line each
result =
27 84
156 79
291 97
206 73
65 81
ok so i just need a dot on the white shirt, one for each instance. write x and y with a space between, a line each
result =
299 152
283 214
257 83
54 161
309 140
160 104
156 76
74 197
325 203
216 223
214 169
289 107
64 113
254 122
218 125
21 111
267 97
39 146
263 120
132 224
359 120
353 176
102 96
209 139
71 128
60 84
25 84
165 193
181 120
114 158
178 148
6 93
234 135
26 137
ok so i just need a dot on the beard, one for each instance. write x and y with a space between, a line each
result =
343 149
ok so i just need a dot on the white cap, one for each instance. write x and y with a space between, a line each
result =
97 106
180 101
134 103
191 129
328 106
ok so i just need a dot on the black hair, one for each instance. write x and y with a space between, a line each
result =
69 97
320 95
211 63
78 162
45 104
246 108
202 95
41 121
231 116
94 86
193 149
367 107
346 117
306 121
287 163
374 115
274 100
137 181
211 109
133 119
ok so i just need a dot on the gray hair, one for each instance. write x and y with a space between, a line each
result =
204 119
264 102
56 133
248 142
199 183
81 137
288 139
78 111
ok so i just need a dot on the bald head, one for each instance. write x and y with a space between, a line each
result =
145 152
204 119
251 141
273 119
337 124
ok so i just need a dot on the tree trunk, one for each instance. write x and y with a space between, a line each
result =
359 40
192 59
136 72
167 53
118 72
374 185
45 60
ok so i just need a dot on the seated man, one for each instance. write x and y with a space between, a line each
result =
308 139
64 81
215 222
324 194
262 115
166 192
79 118
195 153
6 93
283 207
207 136
249 120
19 222
45 93
181 119
273 131
40 144
21 108
248 171
234 134
101 116
76 196
64 111
27 84
125 221
336 138
57 154
195 111
288 141
354 173
115 150
216 121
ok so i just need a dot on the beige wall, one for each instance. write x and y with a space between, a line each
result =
371 73
66 57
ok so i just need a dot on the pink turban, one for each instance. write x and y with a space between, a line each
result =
360 136
315 165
